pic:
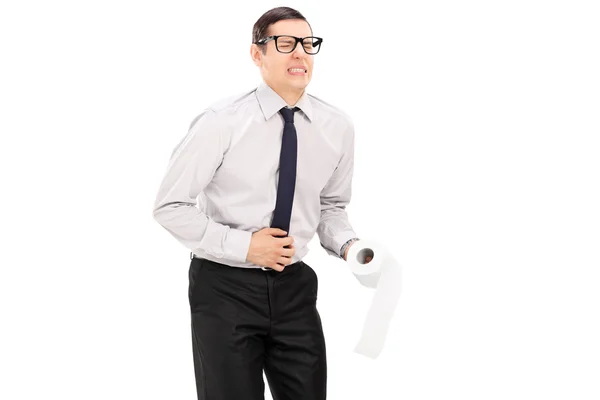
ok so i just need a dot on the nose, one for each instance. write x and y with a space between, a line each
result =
299 51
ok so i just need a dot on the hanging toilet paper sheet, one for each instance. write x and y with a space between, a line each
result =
383 274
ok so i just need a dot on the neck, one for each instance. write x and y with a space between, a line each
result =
290 95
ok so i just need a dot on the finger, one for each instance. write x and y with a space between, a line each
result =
288 252
277 232
287 241
284 260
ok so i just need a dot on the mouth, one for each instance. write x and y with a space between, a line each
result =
297 71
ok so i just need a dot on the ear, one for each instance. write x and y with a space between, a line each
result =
256 55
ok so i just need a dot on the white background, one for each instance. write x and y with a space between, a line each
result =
477 165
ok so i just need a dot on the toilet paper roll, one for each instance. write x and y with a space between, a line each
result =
382 273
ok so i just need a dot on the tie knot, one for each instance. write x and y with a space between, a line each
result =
288 114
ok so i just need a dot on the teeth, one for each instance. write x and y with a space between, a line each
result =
296 70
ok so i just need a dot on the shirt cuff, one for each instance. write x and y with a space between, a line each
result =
237 244
223 241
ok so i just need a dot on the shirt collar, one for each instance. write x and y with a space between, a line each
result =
270 102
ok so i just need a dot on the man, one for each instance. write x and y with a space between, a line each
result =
269 169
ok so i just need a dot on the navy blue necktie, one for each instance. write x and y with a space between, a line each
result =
287 172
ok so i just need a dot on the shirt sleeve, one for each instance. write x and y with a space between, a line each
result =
190 169
334 227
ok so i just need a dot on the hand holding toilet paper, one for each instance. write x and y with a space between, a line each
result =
383 274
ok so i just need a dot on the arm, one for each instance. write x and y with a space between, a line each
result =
191 168
334 228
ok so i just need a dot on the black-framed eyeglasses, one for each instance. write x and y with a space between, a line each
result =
286 43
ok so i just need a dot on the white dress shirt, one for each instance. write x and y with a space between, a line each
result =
220 185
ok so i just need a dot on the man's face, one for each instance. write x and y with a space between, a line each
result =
275 66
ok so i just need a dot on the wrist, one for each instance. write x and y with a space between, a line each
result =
346 247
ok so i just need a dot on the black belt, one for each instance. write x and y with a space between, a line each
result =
192 256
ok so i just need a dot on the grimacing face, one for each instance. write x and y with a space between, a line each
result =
275 66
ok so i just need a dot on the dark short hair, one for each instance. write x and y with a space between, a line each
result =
261 26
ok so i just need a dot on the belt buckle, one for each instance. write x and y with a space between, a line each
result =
266 268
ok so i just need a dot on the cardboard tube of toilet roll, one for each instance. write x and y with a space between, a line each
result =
383 274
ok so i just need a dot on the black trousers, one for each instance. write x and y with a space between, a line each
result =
245 321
